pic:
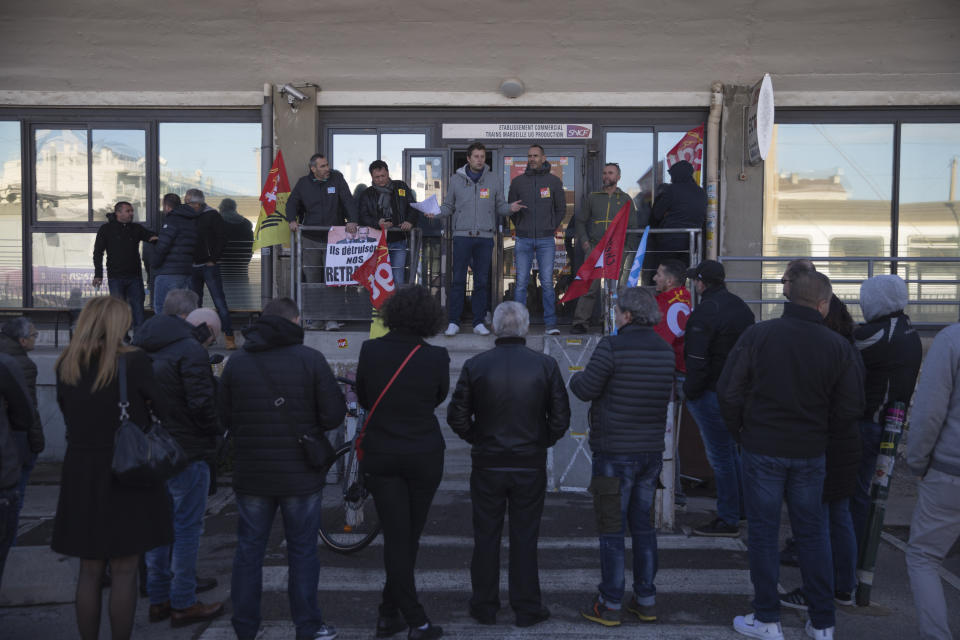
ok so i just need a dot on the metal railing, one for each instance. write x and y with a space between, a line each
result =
318 301
940 305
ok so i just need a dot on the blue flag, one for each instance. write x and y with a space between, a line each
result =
638 261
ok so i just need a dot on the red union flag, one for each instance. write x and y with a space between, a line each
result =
272 226
690 148
376 274
606 258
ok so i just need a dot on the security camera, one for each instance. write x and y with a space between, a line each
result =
294 97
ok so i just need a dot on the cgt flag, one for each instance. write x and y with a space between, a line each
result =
606 258
272 225
690 148
376 274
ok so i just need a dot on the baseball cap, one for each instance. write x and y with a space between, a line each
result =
707 270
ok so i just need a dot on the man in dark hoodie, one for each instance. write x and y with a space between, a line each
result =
239 249
120 237
174 254
271 471
544 203
322 198
680 205
211 241
182 369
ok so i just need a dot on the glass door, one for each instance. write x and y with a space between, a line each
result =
567 164
425 171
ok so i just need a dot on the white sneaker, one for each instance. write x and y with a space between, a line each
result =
452 329
748 625
481 330
819 634
332 325
552 331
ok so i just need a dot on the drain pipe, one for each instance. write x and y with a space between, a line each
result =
267 254
713 161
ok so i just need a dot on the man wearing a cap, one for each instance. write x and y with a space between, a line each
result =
712 329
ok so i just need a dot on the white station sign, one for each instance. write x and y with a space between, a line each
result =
516 131
760 120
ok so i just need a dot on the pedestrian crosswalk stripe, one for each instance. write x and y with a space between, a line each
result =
704 581
664 543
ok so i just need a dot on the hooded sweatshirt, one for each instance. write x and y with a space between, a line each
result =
474 205
542 193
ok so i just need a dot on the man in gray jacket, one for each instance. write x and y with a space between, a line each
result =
474 199
544 202
933 452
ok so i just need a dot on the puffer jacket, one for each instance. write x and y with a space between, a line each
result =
182 369
629 380
269 458
511 404
13 348
474 205
891 352
16 415
173 255
542 194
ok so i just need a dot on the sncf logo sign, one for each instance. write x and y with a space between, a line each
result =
578 131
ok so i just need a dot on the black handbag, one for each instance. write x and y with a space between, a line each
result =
143 457
317 450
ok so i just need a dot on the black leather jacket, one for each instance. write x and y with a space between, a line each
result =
511 404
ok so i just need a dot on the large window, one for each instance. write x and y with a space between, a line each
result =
353 150
848 192
11 216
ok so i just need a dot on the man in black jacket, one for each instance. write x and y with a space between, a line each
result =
629 381
386 205
174 254
16 414
891 352
680 205
322 199
786 387
211 241
121 238
542 206
270 471
182 368
511 404
712 329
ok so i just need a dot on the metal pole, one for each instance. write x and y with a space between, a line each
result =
879 490
267 254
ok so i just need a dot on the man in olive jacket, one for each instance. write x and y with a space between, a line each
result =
511 404
629 381
543 204
271 471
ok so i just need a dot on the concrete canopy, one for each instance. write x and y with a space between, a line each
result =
434 47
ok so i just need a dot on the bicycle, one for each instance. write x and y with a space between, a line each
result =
348 518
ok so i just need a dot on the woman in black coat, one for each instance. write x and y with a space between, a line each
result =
98 519
402 446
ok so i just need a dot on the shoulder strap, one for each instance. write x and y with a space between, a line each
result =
279 401
366 422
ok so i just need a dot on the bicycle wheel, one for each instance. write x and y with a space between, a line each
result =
348 519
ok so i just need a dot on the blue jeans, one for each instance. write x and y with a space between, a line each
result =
765 481
172 570
545 248
130 290
870 435
477 253
9 499
210 275
29 462
638 475
164 284
722 454
301 521
398 260
843 544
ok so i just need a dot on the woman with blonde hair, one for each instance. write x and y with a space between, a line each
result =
100 520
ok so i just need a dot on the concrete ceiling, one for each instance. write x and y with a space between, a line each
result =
442 46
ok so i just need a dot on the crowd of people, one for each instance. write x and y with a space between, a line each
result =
790 410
